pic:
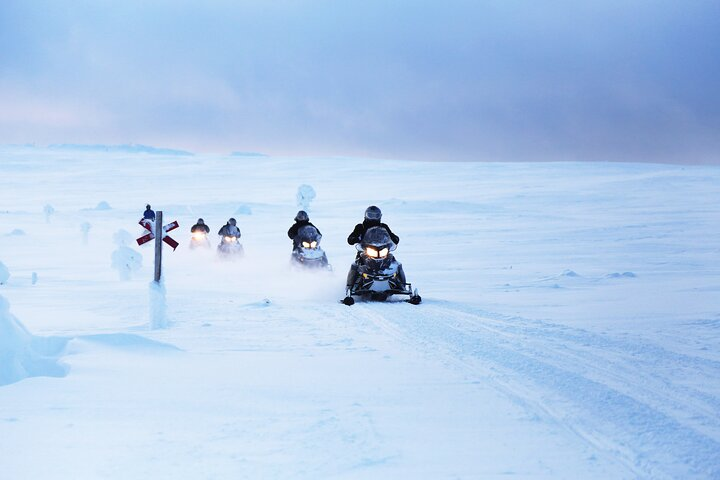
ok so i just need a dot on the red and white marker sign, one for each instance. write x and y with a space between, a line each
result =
166 238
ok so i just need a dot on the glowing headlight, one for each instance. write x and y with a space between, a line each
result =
371 252
306 244
198 235
383 253
313 244
229 239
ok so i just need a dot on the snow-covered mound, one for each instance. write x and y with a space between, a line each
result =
23 355
4 274
124 259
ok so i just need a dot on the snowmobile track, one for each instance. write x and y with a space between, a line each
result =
604 389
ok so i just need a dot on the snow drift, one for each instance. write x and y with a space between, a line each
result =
24 355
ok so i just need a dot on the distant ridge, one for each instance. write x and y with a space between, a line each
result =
127 148
247 154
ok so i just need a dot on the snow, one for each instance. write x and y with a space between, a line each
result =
4 274
49 211
305 195
243 210
123 259
570 324
21 354
85 229
158 305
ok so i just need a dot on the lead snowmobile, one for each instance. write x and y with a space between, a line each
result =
307 252
377 274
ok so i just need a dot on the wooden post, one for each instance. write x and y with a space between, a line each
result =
158 245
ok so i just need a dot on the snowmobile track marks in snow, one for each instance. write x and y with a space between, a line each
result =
599 387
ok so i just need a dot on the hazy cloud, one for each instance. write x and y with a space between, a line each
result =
500 80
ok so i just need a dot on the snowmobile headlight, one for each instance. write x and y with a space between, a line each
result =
313 244
383 253
371 252
198 235
229 239
306 244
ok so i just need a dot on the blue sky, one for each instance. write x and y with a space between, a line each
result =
452 80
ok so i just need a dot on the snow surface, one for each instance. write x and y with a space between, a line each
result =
570 326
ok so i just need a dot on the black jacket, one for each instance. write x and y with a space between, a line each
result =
292 233
360 229
228 230
200 227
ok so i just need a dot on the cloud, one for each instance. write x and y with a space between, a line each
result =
510 80
26 114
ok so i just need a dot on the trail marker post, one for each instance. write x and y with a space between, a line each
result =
160 235
158 245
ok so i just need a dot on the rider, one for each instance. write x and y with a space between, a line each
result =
373 215
301 220
149 214
200 227
230 229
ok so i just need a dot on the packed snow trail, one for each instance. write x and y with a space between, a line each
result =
625 397
274 388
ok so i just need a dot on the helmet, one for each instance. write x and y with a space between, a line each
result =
200 221
373 213
302 216
232 222
147 207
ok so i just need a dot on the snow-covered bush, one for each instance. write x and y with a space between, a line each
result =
85 229
125 260
305 195
122 238
48 210
243 210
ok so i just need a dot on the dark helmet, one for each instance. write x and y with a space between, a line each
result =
232 222
373 213
147 207
302 216
201 221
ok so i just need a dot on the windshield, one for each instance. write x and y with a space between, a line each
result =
377 236
308 233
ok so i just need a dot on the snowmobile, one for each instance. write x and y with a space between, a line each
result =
379 274
199 239
230 247
307 252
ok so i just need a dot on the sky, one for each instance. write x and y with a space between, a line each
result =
475 80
